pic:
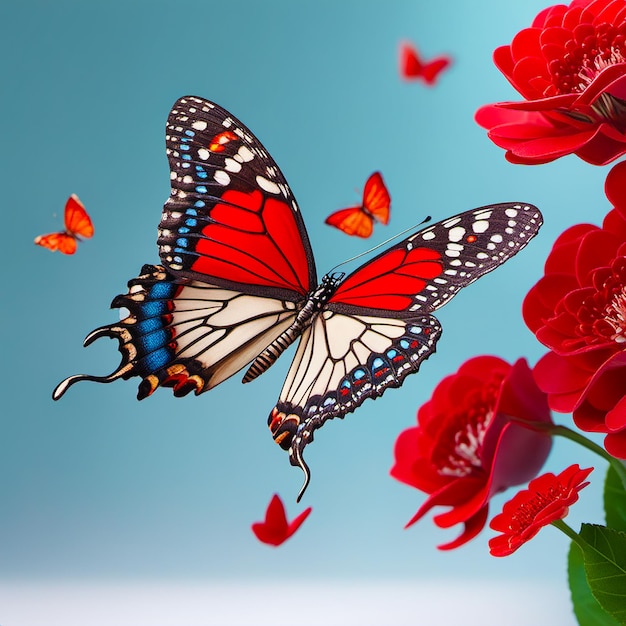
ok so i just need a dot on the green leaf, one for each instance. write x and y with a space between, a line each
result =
586 608
604 553
614 501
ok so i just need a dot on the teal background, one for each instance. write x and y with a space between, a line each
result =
99 487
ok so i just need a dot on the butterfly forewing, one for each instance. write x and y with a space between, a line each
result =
231 218
425 270
376 198
77 220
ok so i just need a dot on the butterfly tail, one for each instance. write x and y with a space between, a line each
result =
146 340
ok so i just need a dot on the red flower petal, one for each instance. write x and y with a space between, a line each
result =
275 530
615 187
471 528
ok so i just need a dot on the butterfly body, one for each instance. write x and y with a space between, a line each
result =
313 305
237 285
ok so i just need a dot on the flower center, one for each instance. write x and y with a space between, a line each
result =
527 512
584 60
602 315
459 447
581 64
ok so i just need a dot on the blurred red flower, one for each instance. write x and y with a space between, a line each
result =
578 310
570 66
275 529
465 448
547 499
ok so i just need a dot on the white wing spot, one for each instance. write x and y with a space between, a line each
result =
221 177
497 238
203 153
428 235
199 125
511 212
245 154
232 165
456 234
267 185
480 226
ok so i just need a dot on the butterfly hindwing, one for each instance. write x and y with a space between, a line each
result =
186 334
341 361
231 218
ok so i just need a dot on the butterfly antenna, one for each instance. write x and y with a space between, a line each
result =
300 462
380 245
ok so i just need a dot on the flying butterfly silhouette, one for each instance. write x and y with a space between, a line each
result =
359 220
238 284
414 68
77 224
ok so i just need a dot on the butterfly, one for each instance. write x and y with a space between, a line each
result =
412 67
237 285
359 220
77 224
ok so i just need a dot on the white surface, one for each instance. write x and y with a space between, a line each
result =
306 604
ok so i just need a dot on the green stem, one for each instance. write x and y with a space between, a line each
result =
568 433
569 531
616 464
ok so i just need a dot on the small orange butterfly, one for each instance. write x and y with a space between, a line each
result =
412 67
359 220
77 224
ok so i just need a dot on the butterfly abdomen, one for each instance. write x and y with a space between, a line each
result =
312 306
269 356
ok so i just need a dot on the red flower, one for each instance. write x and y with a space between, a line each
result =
275 529
578 310
570 66
466 449
547 499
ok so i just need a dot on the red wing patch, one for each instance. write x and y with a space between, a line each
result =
391 280
241 243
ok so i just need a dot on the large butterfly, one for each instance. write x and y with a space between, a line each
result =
237 285
359 220
77 224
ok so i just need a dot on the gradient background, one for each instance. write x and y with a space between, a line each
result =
114 511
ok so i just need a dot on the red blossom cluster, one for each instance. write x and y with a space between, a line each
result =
486 427
570 68
467 447
578 310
